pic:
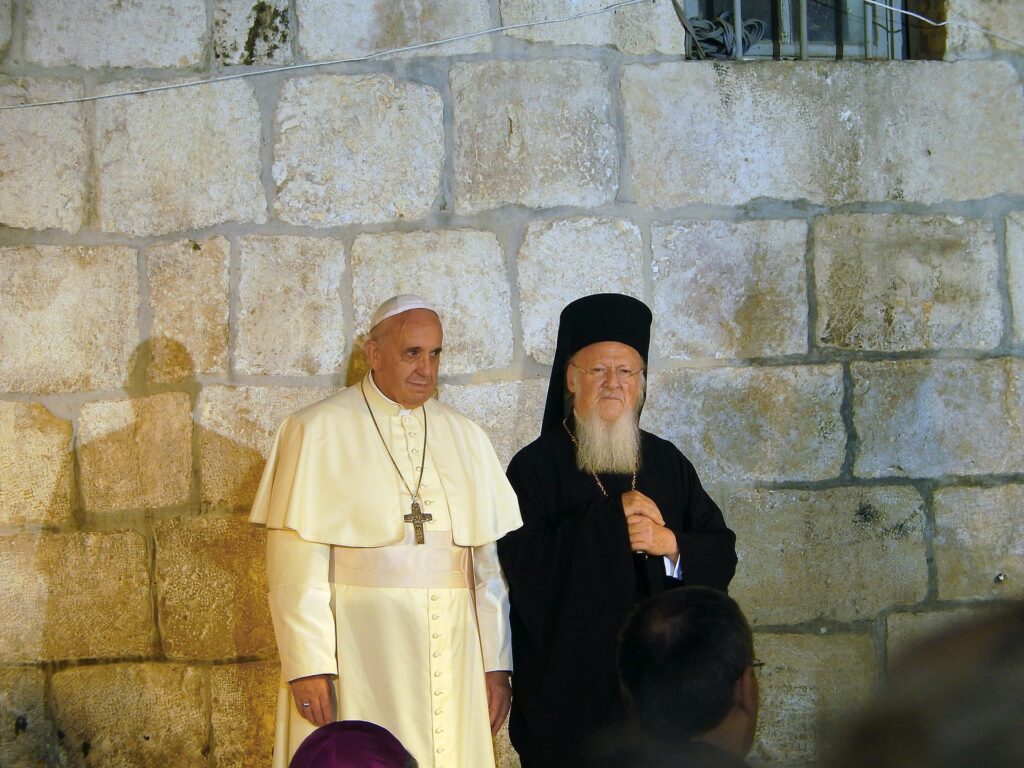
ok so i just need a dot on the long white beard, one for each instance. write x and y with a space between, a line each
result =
608 447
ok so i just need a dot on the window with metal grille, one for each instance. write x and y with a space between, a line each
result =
798 29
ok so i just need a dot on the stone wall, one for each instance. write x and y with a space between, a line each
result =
834 253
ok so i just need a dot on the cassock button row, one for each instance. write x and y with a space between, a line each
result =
434 597
437 654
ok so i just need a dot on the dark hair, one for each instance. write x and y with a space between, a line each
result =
680 654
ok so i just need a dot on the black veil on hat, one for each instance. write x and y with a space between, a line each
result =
594 318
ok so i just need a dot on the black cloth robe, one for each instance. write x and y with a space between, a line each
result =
573 581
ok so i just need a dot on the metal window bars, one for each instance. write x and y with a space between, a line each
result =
792 29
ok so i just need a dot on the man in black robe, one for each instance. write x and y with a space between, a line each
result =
611 515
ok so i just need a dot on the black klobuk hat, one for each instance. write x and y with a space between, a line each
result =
586 321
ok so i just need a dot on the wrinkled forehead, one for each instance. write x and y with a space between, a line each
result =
612 353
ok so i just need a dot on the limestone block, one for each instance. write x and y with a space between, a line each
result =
27 739
35 464
290 319
188 298
509 411
237 427
927 418
606 256
1015 266
741 424
905 630
726 289
252 33
362 149
533 133
44 154
69 317
808 681
182 159
74 596
338 29
840 554
823 132
978 537
642 28
165 724
461 272
136 453
244 703
211 586
6 8
897 282
1000 16
113 33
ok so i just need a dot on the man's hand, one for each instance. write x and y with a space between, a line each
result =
499 698
647 531
315 691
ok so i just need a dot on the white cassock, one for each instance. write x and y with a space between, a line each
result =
408 629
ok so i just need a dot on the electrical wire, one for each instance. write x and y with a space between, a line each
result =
948 23
317 64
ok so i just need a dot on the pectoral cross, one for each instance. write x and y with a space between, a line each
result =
417 518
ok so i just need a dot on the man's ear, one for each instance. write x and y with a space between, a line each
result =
570 380
371 349
745 693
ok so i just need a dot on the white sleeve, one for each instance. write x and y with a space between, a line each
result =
298 573
675 571
492 608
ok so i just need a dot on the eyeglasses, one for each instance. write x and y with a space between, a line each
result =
757 664
622 373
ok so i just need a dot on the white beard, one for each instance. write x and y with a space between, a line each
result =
609 447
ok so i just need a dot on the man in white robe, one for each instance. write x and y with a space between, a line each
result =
383 508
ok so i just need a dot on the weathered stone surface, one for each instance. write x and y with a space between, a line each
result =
182 159
252 33
112 33
1015 265
979 535
927 418
165 725
237 427
35 464
290 319
840 554
897 282
509 411
337 29
533 133
357 149
30 742
642 28
461 271
905 630
188 298
808 681
740 424
244 702
69 317
730 290
211 586
548 280
823 132
1000 16
56 588
43 154
136 453
6 8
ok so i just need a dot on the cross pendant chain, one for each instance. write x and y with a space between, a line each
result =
417 518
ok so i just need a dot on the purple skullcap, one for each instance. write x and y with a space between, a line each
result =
351 744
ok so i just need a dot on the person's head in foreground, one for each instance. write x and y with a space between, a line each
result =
351 744
403 349
602 347
952 700
686 665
